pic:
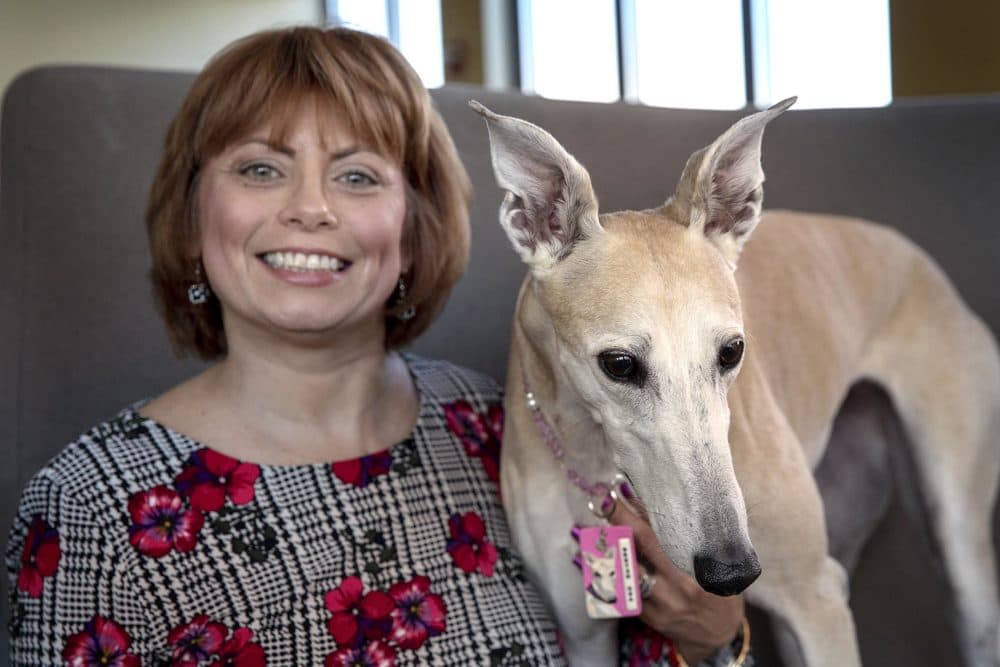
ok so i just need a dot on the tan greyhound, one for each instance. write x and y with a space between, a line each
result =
629 334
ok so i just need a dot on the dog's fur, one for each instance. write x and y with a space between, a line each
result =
722 458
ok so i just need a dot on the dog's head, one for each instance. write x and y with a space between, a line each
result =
602 571
639 316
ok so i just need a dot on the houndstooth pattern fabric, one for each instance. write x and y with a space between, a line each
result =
278 566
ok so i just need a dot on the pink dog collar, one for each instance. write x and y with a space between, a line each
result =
606 492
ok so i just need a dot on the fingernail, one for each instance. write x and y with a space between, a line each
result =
575 532
626 489
607 504
578 561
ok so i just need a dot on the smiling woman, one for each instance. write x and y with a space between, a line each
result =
254 93
314 496
319 211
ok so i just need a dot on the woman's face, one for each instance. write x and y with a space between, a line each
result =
302 238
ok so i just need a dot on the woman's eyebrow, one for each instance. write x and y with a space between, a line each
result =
351 150
270 145
290 152
346 152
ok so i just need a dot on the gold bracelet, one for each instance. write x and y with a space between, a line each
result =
744 647
740 658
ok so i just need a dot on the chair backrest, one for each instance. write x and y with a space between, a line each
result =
79 337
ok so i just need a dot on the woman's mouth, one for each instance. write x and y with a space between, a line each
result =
302 262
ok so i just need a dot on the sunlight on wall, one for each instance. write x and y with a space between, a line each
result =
178 35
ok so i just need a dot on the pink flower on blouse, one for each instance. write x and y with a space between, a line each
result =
210 476
480 435
361 471
419 614
195 641
468 545
103 643
372 654
358 617
645 646
239 651
40 556
160 523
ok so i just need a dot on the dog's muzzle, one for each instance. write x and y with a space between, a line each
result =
727 577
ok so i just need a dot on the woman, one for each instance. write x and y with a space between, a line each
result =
314 496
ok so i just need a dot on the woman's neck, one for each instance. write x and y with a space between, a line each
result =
288 403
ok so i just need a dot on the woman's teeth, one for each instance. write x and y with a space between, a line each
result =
298 261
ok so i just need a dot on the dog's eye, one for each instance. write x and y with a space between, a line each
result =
731 353
619 366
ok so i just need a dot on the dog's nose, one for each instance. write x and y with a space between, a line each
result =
729 576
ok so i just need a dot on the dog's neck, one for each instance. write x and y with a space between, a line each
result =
534 360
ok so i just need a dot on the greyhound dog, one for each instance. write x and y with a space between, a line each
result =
639 348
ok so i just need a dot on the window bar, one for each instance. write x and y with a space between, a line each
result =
760 57
628 49
501 68
392 18
524 44
748 59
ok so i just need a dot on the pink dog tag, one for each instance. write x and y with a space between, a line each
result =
610 572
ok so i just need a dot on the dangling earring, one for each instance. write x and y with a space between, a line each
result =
401 301
198 291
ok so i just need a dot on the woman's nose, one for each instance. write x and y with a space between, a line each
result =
309 207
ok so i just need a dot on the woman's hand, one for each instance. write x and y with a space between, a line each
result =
698 622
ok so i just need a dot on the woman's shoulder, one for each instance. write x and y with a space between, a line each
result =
113 455
445 381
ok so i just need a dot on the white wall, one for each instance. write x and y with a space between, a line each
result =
164 34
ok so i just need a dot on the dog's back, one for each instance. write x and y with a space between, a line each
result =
829 302
814 289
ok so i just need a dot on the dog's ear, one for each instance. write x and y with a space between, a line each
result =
721 189
550 204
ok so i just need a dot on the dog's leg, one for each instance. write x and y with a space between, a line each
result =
586 642
541 530
941 368
803 587
854 477
806 592
536 497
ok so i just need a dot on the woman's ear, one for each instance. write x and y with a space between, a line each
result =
405 256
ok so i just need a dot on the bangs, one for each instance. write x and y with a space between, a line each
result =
271 82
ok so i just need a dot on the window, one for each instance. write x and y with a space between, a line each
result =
830 54
692 54
569 49
676 53
686 54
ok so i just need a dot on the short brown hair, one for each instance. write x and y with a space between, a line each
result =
264 78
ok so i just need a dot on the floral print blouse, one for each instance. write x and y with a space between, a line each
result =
139 546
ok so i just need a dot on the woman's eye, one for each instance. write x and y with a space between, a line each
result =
620 366
259 171
358 178
731 353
